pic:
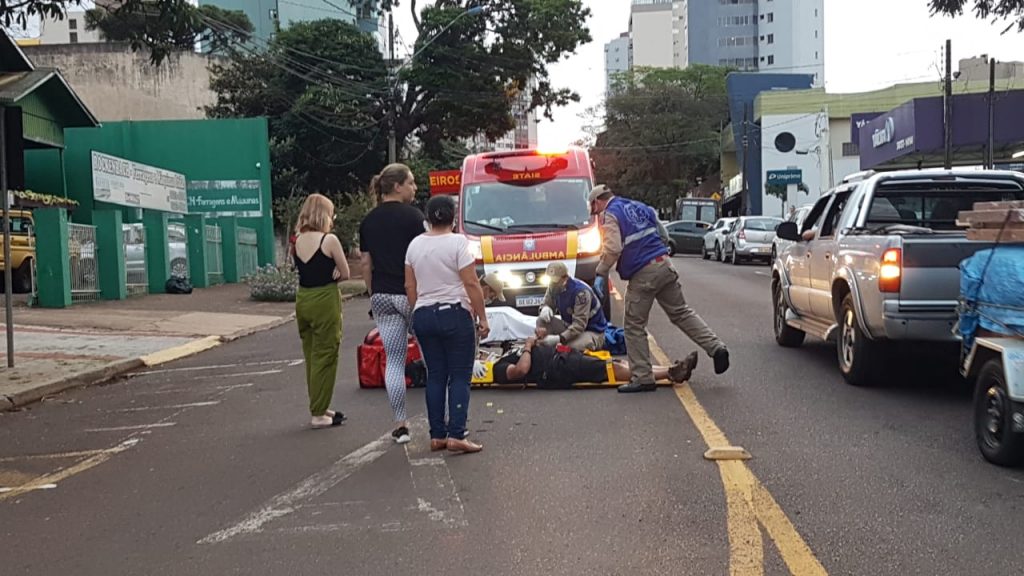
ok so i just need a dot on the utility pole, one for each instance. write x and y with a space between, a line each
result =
8 273
991 114
745 194
393 93
947 105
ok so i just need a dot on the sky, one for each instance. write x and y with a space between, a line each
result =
869 44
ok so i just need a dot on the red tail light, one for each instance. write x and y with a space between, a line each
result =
742 235
890 273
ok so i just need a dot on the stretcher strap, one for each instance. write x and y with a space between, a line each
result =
611 371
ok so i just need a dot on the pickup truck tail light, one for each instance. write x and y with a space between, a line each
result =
890 273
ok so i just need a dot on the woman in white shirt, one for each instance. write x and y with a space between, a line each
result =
448 313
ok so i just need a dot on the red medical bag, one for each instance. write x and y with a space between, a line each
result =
372 362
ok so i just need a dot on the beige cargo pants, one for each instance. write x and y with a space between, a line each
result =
582 343
659 281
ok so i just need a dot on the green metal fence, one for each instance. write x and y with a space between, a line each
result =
248 252
214 254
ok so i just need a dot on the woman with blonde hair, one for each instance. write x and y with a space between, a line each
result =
321 262
384 237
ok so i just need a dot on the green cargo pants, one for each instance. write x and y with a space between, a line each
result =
318 314
659 281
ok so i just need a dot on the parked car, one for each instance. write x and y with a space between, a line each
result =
686 236
750 238
135 244
880 264
778 244
23 250
713 239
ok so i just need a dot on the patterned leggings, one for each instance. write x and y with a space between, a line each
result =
391 311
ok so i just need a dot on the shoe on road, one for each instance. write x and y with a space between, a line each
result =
681 371
721 361
401 435
633 387
464 446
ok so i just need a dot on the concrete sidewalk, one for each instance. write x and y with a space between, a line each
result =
90 343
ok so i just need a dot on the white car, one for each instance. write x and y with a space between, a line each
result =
778 244
715 239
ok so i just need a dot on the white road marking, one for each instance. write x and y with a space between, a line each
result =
231 387
760 272
171 407
214 367
287 502
4 489
65 473
238 375
295 363
128 428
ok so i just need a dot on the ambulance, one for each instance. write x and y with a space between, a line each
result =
522 210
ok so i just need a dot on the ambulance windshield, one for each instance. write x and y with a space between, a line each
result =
542 207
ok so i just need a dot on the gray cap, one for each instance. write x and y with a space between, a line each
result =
599 192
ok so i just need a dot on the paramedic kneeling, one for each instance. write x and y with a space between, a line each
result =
632 237
580 322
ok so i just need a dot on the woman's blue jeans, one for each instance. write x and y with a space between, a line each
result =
447 339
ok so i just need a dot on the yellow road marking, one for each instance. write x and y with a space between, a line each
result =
749 504
46 480
178 352
57 456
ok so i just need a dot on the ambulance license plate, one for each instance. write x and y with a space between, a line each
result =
529 301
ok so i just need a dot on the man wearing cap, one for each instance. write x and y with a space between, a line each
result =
493 287
635 240
571 313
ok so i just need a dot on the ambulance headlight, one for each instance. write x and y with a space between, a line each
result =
590 241
510 280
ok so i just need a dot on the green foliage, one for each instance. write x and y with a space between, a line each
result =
662 130
321 85
350 211
273 283
167 26
1010 11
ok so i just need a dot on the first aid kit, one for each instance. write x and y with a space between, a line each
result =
372 360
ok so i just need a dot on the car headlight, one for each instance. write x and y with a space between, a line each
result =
476 249
510 280
589 241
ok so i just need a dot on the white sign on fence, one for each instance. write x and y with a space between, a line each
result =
119 181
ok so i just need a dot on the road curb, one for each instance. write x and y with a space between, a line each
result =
77 380
112 370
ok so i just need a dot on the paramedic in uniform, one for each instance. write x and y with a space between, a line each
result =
571 313
634 238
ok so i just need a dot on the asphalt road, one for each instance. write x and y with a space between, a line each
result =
206 467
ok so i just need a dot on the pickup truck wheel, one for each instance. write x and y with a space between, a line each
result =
993 418
22 278
858 355
785 335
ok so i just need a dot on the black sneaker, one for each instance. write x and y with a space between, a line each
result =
721 361
634 387
401 435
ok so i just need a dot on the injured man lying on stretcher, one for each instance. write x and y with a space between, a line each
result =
562 367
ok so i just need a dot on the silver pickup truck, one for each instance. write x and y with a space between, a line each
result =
875 262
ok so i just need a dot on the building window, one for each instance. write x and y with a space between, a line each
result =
815 54
771 17
851 149
771 60
771 38
73 38
72 24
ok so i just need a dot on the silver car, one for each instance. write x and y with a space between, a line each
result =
713 240
797 217
750 238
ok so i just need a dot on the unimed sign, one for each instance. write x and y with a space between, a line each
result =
445 182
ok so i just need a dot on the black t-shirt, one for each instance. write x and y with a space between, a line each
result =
540 358
385 234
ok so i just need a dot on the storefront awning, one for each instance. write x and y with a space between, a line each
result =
912 135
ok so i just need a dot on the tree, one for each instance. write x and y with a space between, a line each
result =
171 28
469 69
321 85
1011 11
662 130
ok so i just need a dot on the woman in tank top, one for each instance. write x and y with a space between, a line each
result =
321 262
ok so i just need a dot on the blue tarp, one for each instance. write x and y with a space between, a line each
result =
992 292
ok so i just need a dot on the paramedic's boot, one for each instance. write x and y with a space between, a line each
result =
721 361
681 371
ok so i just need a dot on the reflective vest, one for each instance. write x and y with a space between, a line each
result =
641 243
567 300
